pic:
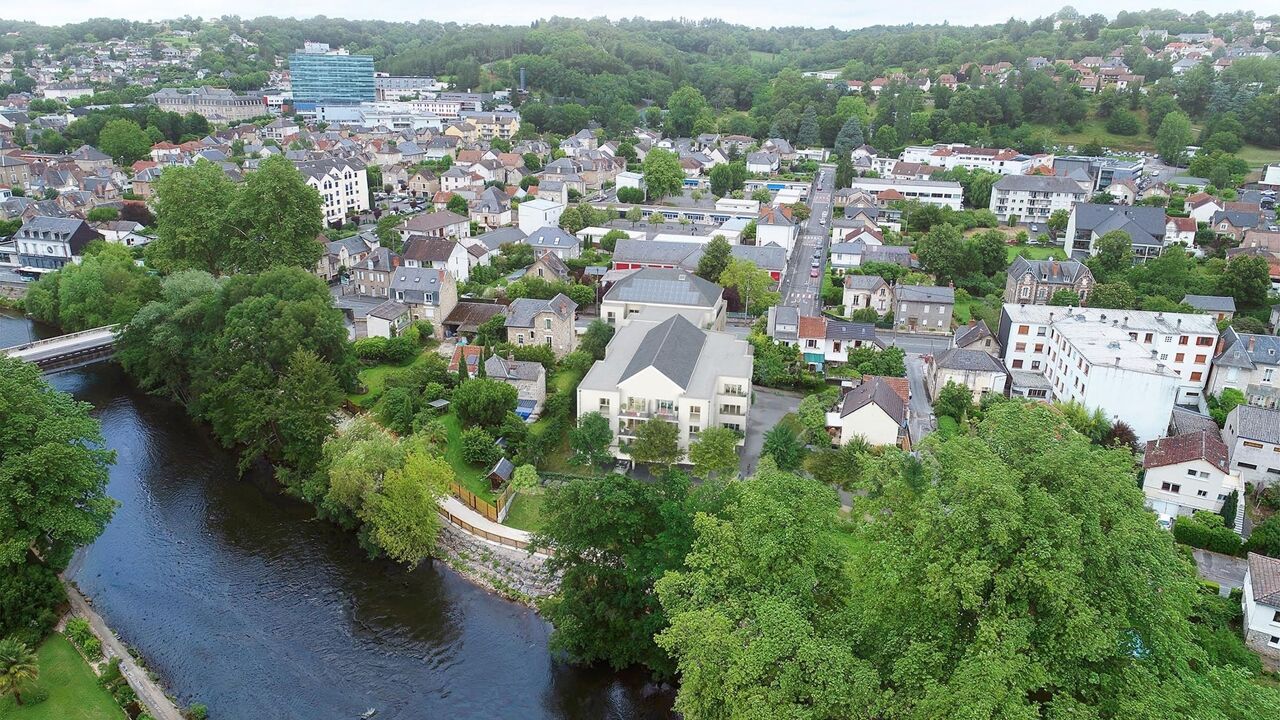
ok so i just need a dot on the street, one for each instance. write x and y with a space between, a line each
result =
797 287
922 421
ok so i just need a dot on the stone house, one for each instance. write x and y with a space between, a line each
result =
1033 282
531 321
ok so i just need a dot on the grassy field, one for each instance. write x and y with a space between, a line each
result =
469 476
526 512
1035 252
374 379
73 689
1095 129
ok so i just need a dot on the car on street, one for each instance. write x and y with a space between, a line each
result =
813 273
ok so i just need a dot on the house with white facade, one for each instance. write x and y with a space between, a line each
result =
1145 226
1033 198
552 240
343 186
1252 435
1249 363
440 253
866 291
877 410
943 193
775 226
1261 606
662 368
533 215
1188 472
1103 358
440 224
979 371
670 291
47 243
822 340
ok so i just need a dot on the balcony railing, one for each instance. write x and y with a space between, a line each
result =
634 412
734 392
668 415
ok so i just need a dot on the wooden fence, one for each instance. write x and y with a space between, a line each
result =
496 513
481 533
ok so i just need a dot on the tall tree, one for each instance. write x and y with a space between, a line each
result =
124 141
662 174
849 138
1173 137
18 667
683 108
752 283
715 452
715 259
275 219
807 134
657 443
1247 279
590 440
192 231
106 288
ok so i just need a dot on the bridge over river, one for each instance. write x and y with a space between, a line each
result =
66 352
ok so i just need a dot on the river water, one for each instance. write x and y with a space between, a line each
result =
238 599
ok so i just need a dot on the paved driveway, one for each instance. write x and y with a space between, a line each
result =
1225 570
922 421
768 407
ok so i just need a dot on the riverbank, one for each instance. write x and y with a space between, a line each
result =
152 696
514 574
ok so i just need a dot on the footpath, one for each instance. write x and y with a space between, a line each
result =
149 692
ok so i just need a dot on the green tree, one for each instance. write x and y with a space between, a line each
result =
1114 254
53 471
759 614
590 440
752 283
192 228
807 134
596 339
783 445
1058 220
484 402
849 138
715 259
402 513
663 175
683 108
478 447
954 401
657 443
1065 298
1173 137
1247 279
107 287
1118 296
457 204
1265 538
388 231
1123 122
609 240
610 539
103 214
124 141
715 452
18 667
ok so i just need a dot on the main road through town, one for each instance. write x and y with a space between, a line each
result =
798 286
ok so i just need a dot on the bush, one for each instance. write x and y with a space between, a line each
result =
1205 530
370 349
478 447
29 597
35 695
197 712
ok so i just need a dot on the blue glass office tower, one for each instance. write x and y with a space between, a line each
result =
321 75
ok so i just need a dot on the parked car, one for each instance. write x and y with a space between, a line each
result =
813 273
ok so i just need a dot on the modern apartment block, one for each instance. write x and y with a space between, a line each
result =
662 368
1108 358
320 74
1033 198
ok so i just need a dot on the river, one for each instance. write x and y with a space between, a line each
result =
238 599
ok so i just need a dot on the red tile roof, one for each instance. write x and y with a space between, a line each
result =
1204 445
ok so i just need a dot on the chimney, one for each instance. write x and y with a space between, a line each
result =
1252 342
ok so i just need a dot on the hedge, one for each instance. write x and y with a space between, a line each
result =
1205 530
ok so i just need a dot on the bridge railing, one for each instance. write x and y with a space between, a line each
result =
59 339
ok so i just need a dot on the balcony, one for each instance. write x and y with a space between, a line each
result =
668 415
734 392
732 411
635 412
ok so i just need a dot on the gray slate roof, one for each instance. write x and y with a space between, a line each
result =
1211 303
843 330
1264 579
1039 183
551 238
1057 272
974 360
522 311
1257 423
863 282
875 390
502 236
926 293
1145 225
389 310
499 368
665 287
672 348
1246 350
967 334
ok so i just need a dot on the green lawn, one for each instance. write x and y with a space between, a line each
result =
1095 129
374 379
1259 156
1034 252
526 512
72 686
469 476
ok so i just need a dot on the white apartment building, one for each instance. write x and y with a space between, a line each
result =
1033 198
1133 364
342 184
1252 435
536 214
663 368
943 193
1185 473
668 291
1261 605
954 155
1248 363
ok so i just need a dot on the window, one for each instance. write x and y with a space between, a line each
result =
1024 329
1146 338
520 339
1035 364
1191 473
546 323
1179 357
1171 487
548 338
811 343
1247 466
1201 358
1020 347
1039 347
694 430
604 405
1204 341
1017 364
695 412
1040 332
1274 641
1182 340
1266 374
1202 493
1195 376
1254 445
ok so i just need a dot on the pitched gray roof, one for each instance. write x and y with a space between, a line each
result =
549 237
863 282
499 368
672 348
666 287
522 311
1145 225
975 360
875 390
967 334
1257 423
1211 303
1247 350
925 293
1185 421
1264 579
843 330
389 310
1039 183
1057 272
502 236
